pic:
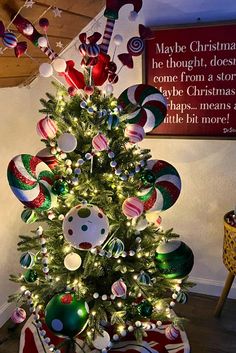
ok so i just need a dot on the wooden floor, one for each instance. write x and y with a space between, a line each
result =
206 333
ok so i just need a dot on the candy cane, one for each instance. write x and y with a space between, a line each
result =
107 35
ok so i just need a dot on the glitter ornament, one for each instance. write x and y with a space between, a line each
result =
48 158
60 187
85 226
30 180
66 315
174 259
147 104
162 185
30 276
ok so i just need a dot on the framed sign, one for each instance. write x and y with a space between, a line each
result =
195 69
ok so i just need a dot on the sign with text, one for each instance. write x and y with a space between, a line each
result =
195 69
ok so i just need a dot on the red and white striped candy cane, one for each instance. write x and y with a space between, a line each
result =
107 35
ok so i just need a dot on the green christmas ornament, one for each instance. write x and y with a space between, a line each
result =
145 309
148 177
182 298
28 216
60 187
66 315
27 259
174 259
30 276
144 279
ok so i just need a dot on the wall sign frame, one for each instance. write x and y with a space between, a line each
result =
195 68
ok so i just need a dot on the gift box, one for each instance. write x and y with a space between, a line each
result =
155 342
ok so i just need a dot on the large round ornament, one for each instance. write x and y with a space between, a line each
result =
85 227
46 128
27 259
72 261
30 276
30 180
67 142
46 156
9 40
174 259
145 106
132 207
171 332
134 132
28 216
162 185
145 309
66 315
18 315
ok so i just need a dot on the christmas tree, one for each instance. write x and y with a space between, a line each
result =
98 264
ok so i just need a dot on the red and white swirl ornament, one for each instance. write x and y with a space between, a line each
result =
18 315
46 128
134 132
132 207
99 142
171 332
119 288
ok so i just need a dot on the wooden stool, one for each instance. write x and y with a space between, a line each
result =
229 259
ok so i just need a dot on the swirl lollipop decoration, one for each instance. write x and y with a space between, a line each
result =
163 185
30 180
135 46
145 105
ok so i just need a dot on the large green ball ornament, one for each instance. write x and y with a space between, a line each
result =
145 309
174 259
66 315
30 276
60 187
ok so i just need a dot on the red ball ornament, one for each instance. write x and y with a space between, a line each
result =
72 91
113 78
99 142
89 90
112 67
132 207
44 23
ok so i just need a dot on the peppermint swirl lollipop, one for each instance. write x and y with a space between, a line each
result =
162 185
135 46
145 106
30 180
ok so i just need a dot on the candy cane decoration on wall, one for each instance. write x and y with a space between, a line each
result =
111 13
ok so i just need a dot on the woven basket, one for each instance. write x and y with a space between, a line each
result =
229 253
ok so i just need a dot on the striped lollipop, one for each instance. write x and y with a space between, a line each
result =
30 180
135 46
145 106
162 186
9 40
46 128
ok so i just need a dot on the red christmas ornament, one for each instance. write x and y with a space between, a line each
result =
72 91
44 23
89 90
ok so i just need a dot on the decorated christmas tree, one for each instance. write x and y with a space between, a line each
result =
98 264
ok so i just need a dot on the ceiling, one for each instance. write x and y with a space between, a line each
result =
75 15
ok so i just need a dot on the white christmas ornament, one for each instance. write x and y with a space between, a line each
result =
85 227
72 261
102 341
45 70
118 39
28 30
42 42
67 142
59 65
